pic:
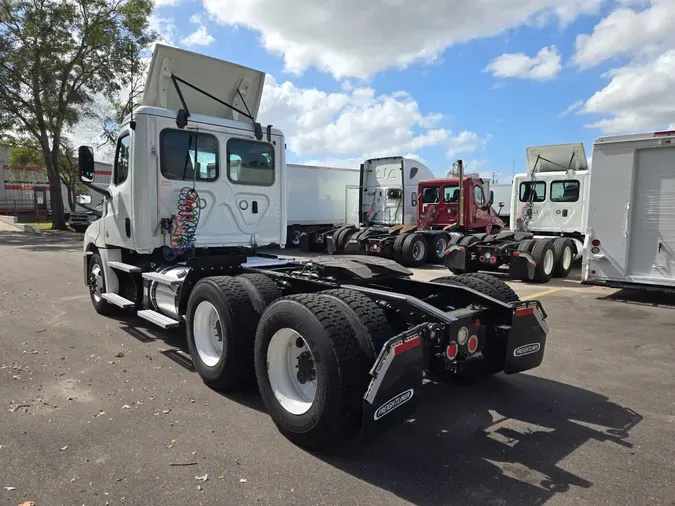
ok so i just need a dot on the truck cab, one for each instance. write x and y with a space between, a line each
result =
439 205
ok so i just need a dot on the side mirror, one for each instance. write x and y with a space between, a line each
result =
491 198
85 163
83 198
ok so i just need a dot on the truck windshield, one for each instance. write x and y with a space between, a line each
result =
451 194
431 195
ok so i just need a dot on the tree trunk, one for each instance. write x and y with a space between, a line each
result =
56 195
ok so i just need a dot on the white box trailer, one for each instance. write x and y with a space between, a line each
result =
502 200
317 196
630 240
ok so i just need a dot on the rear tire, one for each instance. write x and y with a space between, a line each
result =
314 415
398 247
506 293
564 255
470 282
221 319
261 290
544 255
437 248
414 250
342 236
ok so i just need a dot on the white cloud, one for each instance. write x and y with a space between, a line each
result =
638 97
576 105
166 3
628 32
165 27
542 67
466 142
389 33
200 37
344 128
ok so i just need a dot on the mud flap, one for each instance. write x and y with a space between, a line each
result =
527 338
396 382
455 258
522 266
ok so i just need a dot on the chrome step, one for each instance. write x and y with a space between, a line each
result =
161 278
118 300
158 319
120 266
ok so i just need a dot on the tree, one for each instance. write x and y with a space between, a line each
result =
56 56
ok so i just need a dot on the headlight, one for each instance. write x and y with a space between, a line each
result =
463 335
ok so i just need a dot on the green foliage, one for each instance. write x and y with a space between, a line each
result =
55 57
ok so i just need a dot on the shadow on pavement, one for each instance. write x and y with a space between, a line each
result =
642 297
47 241
499 441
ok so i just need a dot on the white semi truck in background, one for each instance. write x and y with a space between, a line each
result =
630 239
335 343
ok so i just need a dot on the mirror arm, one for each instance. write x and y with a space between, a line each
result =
103 192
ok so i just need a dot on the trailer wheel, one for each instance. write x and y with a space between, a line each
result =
96 282
293 236
544 255
437 248
367 318
342 236
261 289
220 321
398 247
312 373
506 293
564 254
414 250
470 282
516 268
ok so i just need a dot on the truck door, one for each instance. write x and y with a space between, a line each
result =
479 211
116 224
563 209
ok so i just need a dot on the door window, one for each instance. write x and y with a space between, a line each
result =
188 156
431 195
121 170
534 191
478 196
250 162
451 194
565 191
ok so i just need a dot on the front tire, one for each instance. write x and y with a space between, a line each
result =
220 321
97 286
328 354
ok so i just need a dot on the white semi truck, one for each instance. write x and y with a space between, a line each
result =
630 239
335 343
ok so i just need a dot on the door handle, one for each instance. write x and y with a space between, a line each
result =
625 227
660 246
254 207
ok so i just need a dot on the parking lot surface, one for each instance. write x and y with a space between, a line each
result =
95 410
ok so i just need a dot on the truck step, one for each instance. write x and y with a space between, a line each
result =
158 319
119 266
161 278
118 300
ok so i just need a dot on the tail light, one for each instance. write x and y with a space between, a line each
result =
472 345
482 259
479 249
595 242
493 260
496 250
451 351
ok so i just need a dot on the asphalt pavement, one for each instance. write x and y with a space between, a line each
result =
97 410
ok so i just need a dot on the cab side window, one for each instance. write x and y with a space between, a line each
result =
478 196
121 170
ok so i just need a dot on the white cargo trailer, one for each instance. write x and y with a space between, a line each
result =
317 196
502 200
630 239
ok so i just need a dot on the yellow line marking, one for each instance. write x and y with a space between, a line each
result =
540 294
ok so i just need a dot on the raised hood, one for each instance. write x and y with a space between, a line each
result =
222 79
556 158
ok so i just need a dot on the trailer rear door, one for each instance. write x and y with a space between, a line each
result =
652 225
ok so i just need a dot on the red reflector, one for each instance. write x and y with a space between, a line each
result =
451 352
480 249
461 249
472 345
516 253
592 272
407 345
379 249
493 260
496 250
525 311
595 242
482 259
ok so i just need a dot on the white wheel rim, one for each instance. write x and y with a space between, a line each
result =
295 393
567 258
548 261
418 250
97 290
208 333
441 246
295 237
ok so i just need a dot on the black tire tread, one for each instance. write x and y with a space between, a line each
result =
267 289
506 293
538 251
371 316
470 282
558 247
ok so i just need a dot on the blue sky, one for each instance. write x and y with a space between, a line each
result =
482 82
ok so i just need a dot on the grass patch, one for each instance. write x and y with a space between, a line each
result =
43 225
